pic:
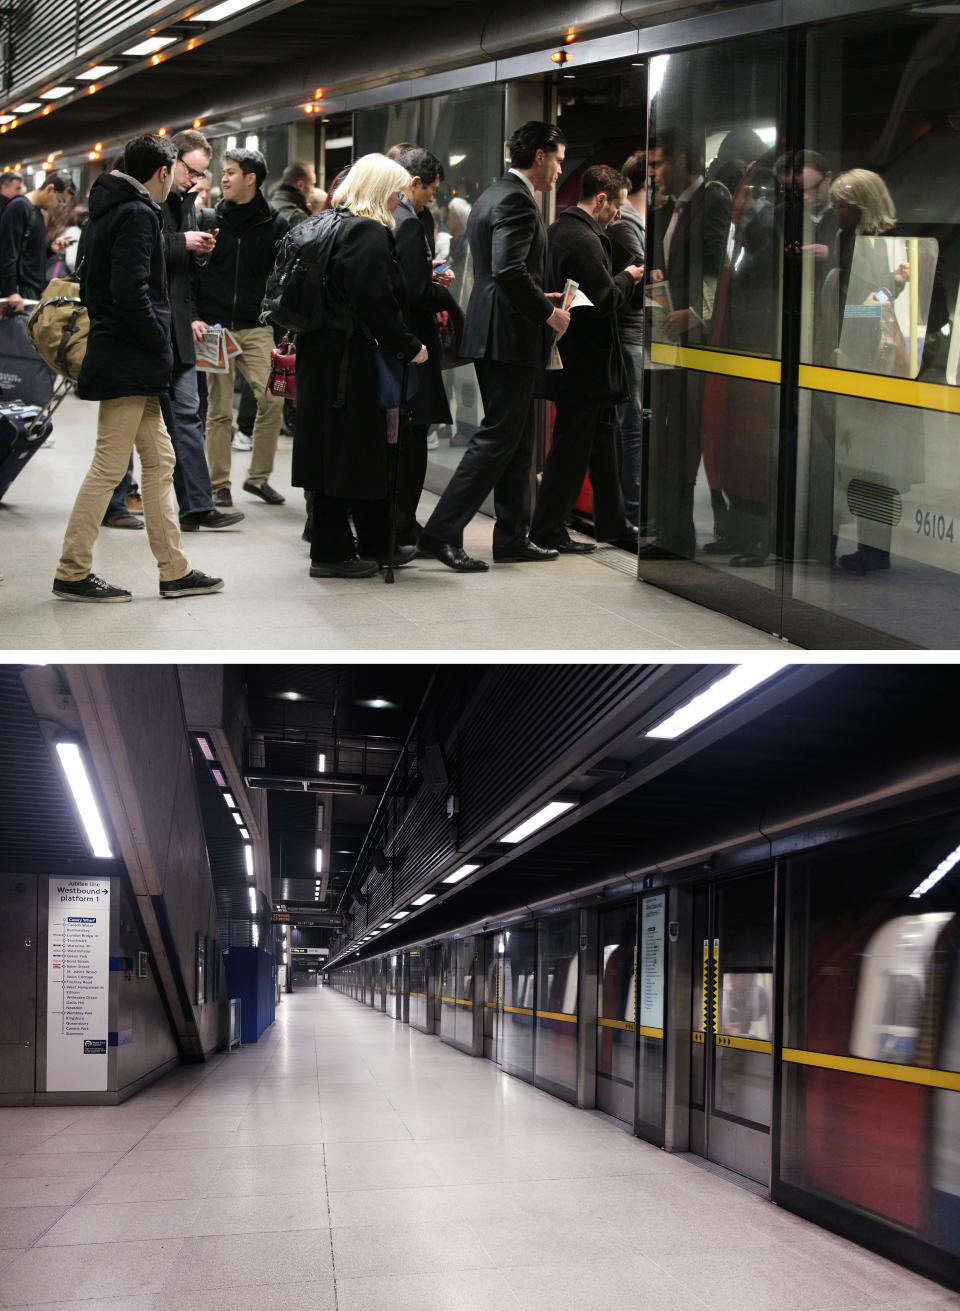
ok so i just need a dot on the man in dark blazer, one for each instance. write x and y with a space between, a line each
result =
693 244
592 380
508 332
425 297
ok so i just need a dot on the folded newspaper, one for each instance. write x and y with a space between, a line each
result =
216 348
572 298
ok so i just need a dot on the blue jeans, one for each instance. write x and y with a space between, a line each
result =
181 414
631 429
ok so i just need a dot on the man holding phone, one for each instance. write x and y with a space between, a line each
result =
186 249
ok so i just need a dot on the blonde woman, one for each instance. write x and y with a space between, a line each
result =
340 446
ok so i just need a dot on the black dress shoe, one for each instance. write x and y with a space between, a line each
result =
194 520
401 555
720 547
527 553
571 547
454 557
626 543
655 552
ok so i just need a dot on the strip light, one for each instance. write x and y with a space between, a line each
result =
151 44
460 873
224 10
228 798
253 899
538 820
248 857
71 762
942 870
716 697
319 859
423 898
204 744
101 70
218 778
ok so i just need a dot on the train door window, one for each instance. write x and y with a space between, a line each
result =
493 979
556 1016
879 416
466 967
519 985
871 1079
448 991
616 1011
732 1025
418 990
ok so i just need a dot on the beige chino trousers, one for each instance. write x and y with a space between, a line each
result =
254 365
123 423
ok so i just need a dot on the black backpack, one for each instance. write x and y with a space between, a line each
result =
298 297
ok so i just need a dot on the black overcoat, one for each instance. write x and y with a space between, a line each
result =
340 442
578 248
178 216
423 298
123 283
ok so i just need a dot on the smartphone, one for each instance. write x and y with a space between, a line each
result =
441 268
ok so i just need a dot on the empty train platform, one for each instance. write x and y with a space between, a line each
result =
270 603
348 1162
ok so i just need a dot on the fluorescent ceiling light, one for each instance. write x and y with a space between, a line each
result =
151 44
245 835
218 778
204 744
57 92
224 10
456 159
944 868
6 118
718 695
460 873
321 762
542 817
319 859
228 798
237 816
27 107
71 762
101 70
423 898
253 899
256 935
401 915
248 857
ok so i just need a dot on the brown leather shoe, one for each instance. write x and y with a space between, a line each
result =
197 519
264 491
222 498
123 519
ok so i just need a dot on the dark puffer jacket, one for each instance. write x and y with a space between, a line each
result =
231 286
123 283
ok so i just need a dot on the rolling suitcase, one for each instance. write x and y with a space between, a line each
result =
23 430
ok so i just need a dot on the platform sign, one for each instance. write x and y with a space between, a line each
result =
652 961
78 984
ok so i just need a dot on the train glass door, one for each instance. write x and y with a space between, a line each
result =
731 1068
492 992
616 1011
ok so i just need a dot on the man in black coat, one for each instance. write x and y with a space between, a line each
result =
127 368
424 299
186 250
230 294
592 380
23 238
508 332
691 249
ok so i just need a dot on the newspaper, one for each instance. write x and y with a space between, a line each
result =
658 301
572 298
216 348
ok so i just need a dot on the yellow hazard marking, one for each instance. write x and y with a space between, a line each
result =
744 1044
628 1025
649 1031
518 1010
710 361
948 1079
716 982
418 994
455 1001
556 1015
698 1036
878 387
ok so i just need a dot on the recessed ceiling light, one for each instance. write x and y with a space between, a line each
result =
204 744
460 873
56 92
74 769
245 835
423 898
152 43
218 778
101 70
228 798
27 107
538 820
737 683
223 10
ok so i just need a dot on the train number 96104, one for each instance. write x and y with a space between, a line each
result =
937 526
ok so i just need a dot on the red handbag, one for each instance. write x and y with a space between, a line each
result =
283 370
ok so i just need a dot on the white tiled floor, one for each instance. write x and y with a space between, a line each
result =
270 603
348 1163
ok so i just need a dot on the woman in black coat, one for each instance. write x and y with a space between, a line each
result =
340 445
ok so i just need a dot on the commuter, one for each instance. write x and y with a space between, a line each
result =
507 333
11 184
424 299
340 446
127 368
317 200
870 442
230 293
592 381
187 250
23 238
628 240
690 250
458 212
291 196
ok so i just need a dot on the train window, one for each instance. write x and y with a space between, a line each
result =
557 980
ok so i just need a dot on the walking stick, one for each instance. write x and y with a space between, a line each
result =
392 504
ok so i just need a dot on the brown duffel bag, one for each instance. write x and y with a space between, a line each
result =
58 327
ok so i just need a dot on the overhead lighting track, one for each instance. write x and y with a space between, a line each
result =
731 687
78 780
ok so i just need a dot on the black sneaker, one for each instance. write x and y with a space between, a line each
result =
192 584
222 498
90 588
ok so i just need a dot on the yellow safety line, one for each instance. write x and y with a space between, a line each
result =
948 1079
877 387
454 1002
418 994
556 1015
707 361
698 1036
744 1044
518 1010
628 1025
648 1031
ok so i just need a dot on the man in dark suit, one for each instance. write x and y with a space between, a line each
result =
592 380
507 332
693 245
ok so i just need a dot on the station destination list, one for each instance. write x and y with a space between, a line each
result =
78 984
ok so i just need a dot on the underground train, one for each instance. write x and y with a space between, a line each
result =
779 1022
